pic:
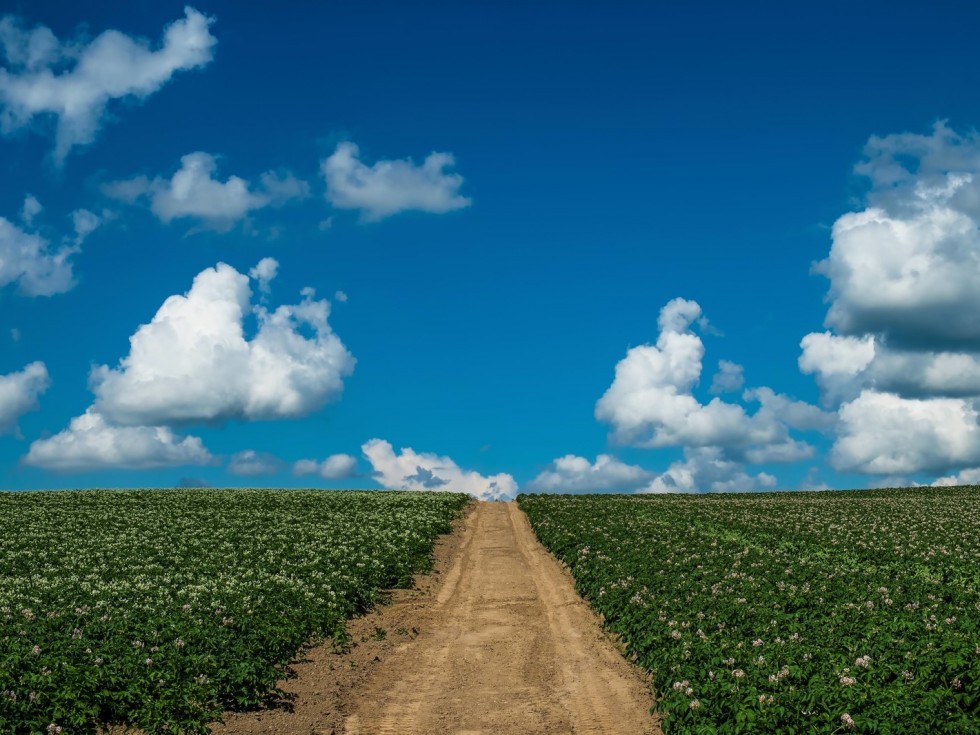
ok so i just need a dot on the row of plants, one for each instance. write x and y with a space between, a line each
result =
794 613
161 609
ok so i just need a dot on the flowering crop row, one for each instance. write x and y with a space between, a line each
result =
787 613
160 609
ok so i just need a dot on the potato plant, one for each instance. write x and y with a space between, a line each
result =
160 609
791 613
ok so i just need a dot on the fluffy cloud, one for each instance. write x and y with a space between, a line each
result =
906 267
827 354
194 192
390 187
334 467
193 363
902 359
970 476
729 379
844 366
778 408
27 260
74 82
912 278
410 470
650 402
571 474
926 374
706 469
19 392
250 463
91 443
263 272
883 433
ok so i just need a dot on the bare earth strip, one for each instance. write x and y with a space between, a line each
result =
505 646
516 651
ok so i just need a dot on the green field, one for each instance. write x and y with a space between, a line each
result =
163 608
787 613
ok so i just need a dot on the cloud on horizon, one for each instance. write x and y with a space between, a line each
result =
410 470
573 474
91 443
334 467
250 463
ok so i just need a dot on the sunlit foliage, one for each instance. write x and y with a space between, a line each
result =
787 613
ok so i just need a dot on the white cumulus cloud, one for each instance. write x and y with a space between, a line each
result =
19 392
76 81
828 354
969 476
927 374
410 470
651 403
91 443
882 433
707 470
334 467
902 356
905 268
390 187
263 273
194 192
571 474
192 362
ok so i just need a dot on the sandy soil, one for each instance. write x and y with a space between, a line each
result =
496 641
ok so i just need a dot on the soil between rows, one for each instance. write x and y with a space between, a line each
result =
493 641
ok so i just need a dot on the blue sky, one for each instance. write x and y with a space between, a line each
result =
496 205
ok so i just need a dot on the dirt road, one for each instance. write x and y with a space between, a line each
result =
513 650
495 641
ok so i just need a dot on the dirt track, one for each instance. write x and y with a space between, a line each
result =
516 651
504 646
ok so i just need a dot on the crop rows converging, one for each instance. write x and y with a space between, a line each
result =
161 609
787 613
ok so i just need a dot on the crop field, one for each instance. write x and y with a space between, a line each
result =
163 608
790 613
